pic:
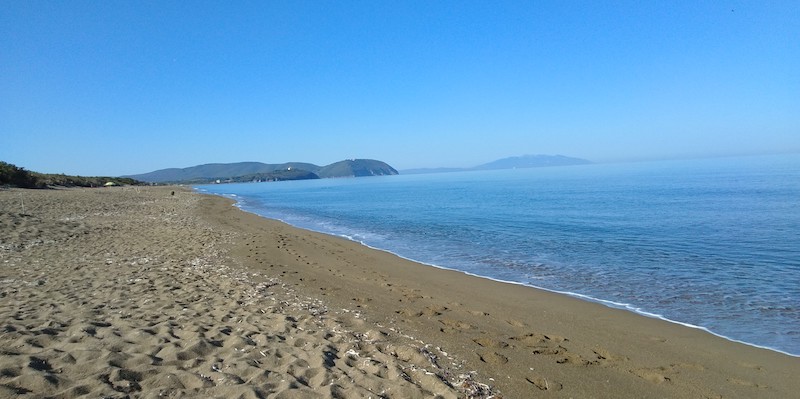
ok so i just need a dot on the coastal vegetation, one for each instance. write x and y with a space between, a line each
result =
278 175
12 175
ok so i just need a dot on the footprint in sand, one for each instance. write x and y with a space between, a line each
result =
455 324
487 342
536 340
549 350
606 356
745 383
515 323
493 358
543 383
407 312
434 310
751 366
658 339
477 313
655 376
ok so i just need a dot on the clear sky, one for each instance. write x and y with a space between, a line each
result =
125 87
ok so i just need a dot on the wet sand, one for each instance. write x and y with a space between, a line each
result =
135 291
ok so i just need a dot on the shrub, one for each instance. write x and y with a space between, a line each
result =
15 176
11 175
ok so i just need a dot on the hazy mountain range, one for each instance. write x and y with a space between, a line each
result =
524 161
257 171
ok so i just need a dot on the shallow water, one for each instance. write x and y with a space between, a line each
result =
710 243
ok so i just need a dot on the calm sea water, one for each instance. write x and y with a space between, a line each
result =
708 243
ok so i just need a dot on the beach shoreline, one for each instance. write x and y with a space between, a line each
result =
605 302
400 315
473 310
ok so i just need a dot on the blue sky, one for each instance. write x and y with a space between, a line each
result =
125 87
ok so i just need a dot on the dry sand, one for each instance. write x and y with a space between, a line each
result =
135 292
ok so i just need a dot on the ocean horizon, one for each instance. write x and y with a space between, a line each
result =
708 243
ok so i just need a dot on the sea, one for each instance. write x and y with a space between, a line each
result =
711 244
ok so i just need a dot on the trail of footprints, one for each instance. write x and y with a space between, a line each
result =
541 347
143 320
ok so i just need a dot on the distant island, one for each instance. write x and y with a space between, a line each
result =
259 172
524 161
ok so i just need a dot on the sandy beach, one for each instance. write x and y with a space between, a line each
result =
163 292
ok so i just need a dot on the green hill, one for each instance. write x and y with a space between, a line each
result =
257 171
356 168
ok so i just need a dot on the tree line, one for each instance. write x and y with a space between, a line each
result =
12 175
